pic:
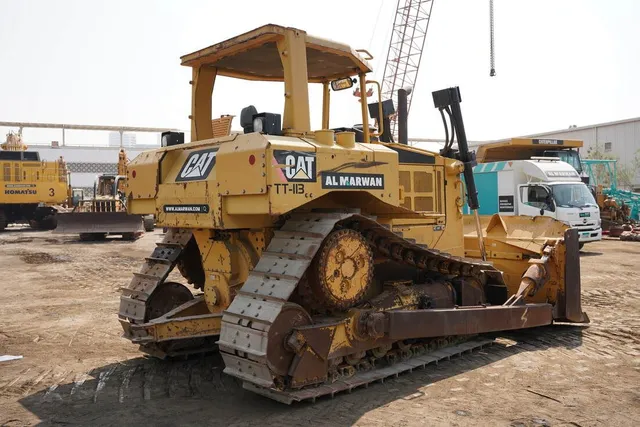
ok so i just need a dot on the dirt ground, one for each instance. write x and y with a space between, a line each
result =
58 304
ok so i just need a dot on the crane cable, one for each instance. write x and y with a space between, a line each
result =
492 54
375 27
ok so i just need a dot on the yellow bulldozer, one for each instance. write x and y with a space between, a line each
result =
32 190
105 213
324 260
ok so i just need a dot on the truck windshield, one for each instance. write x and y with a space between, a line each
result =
573 195
568 156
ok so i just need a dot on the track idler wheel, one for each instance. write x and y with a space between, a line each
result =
282 346
342 271
166 297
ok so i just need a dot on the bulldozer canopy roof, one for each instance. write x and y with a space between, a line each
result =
254 55
521 148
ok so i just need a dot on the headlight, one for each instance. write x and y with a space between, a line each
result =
257 124
599 222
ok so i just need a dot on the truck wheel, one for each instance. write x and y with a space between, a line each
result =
149 223
43 220
48 222
90 237
3 220
131 236
580 246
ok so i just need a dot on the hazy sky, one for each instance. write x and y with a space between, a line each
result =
116 62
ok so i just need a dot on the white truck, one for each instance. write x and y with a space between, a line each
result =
539 186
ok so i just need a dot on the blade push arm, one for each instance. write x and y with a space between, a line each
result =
448 100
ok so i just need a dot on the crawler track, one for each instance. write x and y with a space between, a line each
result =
133 300
366 377
246 332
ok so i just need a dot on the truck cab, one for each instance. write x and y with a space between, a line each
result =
569 201
566 150
541 186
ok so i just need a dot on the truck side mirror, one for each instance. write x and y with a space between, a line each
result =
549 202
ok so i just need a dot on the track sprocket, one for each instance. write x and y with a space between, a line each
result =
342 271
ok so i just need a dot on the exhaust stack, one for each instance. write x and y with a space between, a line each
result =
403 115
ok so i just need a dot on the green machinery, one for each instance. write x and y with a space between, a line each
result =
603 173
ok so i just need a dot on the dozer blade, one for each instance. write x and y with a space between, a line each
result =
569 306
98 222
512 241
525 232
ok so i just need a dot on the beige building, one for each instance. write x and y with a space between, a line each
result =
619 139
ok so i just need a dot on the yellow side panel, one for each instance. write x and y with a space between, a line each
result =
422 187
142 207
434 236
245 205
292 184
142 180
32 183
174 197
241 167
300 173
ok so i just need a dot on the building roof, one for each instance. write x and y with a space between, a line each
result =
598 125
83 127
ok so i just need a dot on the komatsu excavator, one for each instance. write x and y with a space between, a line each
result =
33 190
324 260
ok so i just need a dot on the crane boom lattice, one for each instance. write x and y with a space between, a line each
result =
408 35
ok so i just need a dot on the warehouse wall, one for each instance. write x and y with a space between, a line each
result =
623 136
85 163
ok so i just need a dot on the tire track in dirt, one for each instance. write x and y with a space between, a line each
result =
124 383
74 374
614 331
138 380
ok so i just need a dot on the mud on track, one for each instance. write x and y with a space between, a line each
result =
58 307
